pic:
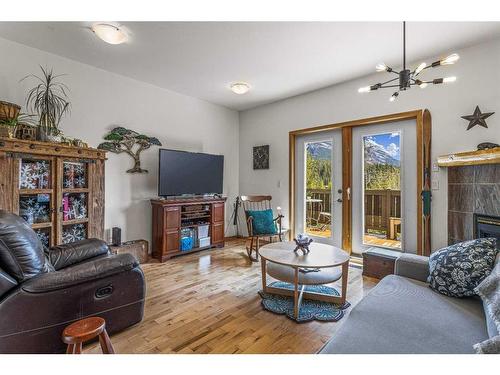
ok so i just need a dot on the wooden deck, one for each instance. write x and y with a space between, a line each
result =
375 241
207 302
327 233
367 239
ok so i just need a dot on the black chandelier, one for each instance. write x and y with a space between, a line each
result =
408 78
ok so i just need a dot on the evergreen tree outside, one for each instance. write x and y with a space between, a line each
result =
382 177
318 172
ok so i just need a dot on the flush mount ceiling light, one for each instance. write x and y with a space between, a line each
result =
110 33
408 78
240 88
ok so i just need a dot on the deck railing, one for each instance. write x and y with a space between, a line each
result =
318 201
383 211
382 207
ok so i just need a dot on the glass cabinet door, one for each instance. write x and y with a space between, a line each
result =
74 175
36 198
74 205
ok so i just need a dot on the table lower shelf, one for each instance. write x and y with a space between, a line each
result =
305 295
299 293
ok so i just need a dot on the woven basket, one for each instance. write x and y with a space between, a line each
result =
8 111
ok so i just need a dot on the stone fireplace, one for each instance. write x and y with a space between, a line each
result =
473 202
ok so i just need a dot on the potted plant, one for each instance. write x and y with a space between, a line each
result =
48 99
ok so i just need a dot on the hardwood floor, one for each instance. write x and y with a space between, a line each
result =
207 302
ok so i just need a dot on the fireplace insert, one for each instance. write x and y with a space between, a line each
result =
487 226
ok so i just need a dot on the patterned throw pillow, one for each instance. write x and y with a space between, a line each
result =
490 346
489 291
457 269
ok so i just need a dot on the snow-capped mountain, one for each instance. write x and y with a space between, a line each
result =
377 154
320 150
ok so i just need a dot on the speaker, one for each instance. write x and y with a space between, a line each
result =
116 236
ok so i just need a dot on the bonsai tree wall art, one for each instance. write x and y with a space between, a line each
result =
121 140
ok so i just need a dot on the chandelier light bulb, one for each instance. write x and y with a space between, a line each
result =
420 68
394 97
364 89
381 67
449 79
109 33
240 88
423 85
452 59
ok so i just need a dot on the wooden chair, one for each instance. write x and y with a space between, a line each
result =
259 203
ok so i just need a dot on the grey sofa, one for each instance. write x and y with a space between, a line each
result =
403 315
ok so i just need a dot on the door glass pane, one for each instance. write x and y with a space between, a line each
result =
318 210
74 232
74 175
382 190
35 208
44 236
34 174
74 206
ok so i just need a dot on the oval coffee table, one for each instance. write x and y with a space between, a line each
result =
288 265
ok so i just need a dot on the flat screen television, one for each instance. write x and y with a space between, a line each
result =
182 172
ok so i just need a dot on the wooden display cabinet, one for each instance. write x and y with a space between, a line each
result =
57 189
171 216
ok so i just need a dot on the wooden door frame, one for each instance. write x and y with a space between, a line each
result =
423 124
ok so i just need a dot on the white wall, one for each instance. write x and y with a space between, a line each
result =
478 83
101 100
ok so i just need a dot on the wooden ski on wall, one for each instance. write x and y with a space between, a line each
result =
426 191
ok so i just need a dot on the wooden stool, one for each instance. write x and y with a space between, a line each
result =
84 330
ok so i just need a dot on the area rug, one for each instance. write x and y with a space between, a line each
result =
309 310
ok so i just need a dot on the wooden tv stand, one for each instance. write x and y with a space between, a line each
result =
170 216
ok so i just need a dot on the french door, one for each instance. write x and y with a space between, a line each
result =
364 183
384 187
318 186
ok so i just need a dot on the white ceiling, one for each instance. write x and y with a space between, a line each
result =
278 59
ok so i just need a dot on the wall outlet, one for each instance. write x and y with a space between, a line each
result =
435 184
435 166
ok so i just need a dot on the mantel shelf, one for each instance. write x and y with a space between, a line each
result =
490 156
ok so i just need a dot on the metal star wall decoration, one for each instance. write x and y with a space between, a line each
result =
477 118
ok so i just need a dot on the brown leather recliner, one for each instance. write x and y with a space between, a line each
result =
44 290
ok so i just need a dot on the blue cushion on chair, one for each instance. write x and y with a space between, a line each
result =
262 222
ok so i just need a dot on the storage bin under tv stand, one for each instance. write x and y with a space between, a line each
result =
171 215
